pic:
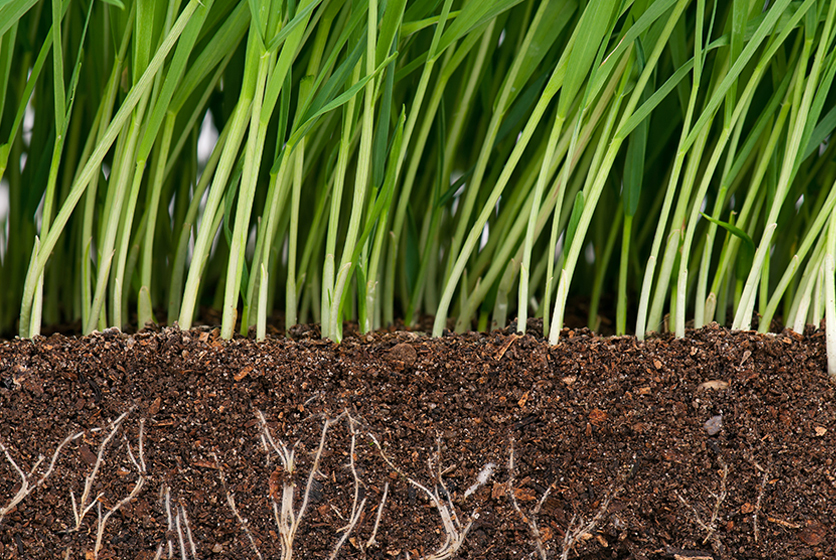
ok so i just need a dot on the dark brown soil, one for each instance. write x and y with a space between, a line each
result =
177 444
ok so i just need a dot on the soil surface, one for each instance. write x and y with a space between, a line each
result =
394 445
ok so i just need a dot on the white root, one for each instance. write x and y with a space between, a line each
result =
167 502
140 482
26 486
357 505
178 524
455 531
287 518
81 510
577 526
758 504
371 541
576 531
531 520
710 527
188 526
230 499
283 489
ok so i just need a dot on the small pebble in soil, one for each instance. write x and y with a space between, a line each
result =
714 424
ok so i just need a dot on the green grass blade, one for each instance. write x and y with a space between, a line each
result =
11 11
473 15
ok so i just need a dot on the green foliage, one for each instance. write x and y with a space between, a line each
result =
408 157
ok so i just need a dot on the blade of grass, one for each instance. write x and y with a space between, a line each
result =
789 167
574 250
92 165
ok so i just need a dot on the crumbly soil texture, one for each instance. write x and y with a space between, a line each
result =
177 444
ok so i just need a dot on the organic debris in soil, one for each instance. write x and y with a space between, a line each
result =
177 444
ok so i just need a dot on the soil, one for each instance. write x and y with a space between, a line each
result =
177 444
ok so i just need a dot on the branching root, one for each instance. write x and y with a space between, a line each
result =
710 527
26 480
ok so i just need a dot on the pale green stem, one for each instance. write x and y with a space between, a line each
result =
465 208
818 292
751 196
713 161
677 227
830 297
415 164
361 178
743 317
404 193
603 167
591 200
276 198
219 184
809 238
246 194
122 252
670 193
488 208
291 293
800 309
92 166
830 333
621 306
551 146
145 304
329 299
116 219
553 204
719 204
186 229
261 328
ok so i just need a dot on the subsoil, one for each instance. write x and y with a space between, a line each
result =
178 444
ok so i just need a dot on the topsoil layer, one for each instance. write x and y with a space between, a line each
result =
177 444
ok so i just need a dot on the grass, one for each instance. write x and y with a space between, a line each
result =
468 160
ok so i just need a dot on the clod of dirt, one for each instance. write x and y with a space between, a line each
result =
403 355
